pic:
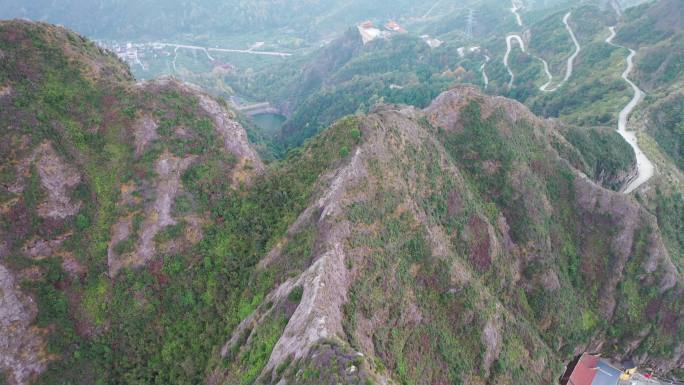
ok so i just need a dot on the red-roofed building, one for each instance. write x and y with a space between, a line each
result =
584 371
590 370
394 27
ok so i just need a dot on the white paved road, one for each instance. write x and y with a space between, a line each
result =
571 60
485 78
206 50
517 5
545 86
509 40
645 168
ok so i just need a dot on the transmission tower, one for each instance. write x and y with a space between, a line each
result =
469 23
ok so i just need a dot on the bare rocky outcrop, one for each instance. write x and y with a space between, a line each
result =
628 217
167 185
491 339
168 169
5 90
144 131
549 281
120 232
319 314
445 111
72 266
22 346
233 134
483 244
58 178
325 283
41 249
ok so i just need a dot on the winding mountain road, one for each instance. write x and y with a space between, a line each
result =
578 49
509 40
206 50
485 78
516 6
571 60
645 168
545 86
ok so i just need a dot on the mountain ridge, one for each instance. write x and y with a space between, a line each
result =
144 240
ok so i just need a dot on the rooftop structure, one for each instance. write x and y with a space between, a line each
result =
432 42
369 32
591 370
394 27
366 24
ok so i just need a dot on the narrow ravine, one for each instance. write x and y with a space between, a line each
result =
645 168
509 39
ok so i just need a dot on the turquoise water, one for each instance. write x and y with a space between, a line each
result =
269 123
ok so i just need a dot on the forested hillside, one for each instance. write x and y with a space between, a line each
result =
144 240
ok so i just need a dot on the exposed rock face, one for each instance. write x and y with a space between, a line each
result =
621 179
484 246
5 91
491 338
233 134
445 110
22 348
57 178
483 256
145 131
120 232
319 314
40 249
72 266
167 184
550 281
628 218
169 169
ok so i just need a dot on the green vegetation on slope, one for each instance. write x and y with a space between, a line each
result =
154 325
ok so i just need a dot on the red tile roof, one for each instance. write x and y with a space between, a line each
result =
585 370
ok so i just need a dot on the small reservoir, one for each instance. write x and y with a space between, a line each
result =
269 123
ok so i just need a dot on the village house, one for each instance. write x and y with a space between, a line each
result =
369 32
393 26
590 369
